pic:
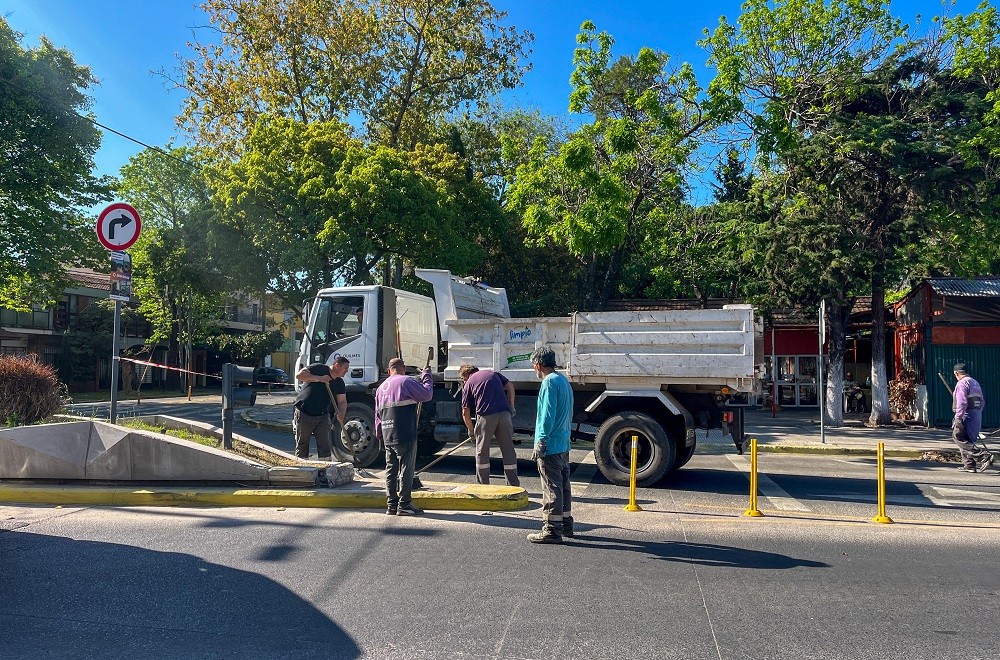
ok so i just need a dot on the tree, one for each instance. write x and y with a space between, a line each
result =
324 209
614 181
868 133
186 261
397 65
250 348
48 145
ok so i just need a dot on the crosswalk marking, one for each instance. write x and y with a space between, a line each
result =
582 476
773 492
959 496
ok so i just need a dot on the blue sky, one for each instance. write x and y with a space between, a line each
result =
124 41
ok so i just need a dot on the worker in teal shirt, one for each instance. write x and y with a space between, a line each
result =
552 431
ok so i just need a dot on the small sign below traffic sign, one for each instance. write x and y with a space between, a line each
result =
118 226
121 276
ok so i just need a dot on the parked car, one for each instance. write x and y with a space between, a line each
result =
272 376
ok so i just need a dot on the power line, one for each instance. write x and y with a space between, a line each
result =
108 128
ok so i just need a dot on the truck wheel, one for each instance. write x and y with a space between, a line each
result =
684 455
359 430
613 449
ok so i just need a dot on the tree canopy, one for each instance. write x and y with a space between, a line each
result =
47 144
322 208
395 66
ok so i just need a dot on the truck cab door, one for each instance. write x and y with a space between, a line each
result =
337 327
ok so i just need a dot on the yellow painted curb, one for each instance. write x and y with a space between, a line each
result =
461 497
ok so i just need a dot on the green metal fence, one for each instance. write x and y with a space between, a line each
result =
982 363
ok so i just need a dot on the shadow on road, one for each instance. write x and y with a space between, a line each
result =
84 599
703 554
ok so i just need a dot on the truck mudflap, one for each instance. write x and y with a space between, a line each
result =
732 424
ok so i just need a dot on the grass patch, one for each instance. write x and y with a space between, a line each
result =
183 434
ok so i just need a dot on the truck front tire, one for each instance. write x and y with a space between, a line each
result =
613 449
359 430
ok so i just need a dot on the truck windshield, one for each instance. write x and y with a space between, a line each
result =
337 318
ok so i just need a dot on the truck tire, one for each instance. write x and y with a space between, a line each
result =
684 455
613 447
359 430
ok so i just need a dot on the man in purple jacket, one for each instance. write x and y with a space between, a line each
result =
490 396
396 426
968 404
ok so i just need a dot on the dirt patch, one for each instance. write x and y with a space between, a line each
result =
946 456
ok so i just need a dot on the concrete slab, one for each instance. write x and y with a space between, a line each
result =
60 451
157 457
109 454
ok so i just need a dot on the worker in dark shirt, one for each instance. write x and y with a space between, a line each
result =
313 405
490 396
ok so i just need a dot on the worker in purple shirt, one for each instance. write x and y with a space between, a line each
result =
396 402
490 396
968 403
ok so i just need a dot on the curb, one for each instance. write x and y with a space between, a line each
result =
270 426
460 497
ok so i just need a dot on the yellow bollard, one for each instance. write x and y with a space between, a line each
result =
753 511
632 506
881 517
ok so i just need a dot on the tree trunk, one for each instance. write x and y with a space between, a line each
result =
611 279
880 386
837 339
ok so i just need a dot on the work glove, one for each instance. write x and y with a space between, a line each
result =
538 452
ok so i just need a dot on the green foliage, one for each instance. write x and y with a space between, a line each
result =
250 348
321 208
186 262
48 155
608 187
399 66
29 391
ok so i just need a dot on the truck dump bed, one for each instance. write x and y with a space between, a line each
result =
623 349
626 349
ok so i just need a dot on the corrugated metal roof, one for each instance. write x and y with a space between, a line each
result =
89 278
981 287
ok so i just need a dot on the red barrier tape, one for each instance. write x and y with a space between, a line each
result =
164 366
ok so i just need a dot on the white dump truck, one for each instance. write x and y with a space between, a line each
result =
658 375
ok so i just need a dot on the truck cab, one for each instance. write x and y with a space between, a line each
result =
369 325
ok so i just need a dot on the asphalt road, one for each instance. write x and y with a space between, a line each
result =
688 577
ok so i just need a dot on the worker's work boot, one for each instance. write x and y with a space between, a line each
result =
549 534
567 527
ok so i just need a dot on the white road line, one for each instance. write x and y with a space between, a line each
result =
772 491
958 496
583 475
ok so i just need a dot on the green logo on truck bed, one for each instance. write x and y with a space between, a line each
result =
518 358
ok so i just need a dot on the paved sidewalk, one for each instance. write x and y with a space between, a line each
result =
799 431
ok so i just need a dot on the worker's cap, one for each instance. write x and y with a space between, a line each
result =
959 368
544 357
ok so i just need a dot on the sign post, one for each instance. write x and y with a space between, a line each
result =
118 227
819 371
